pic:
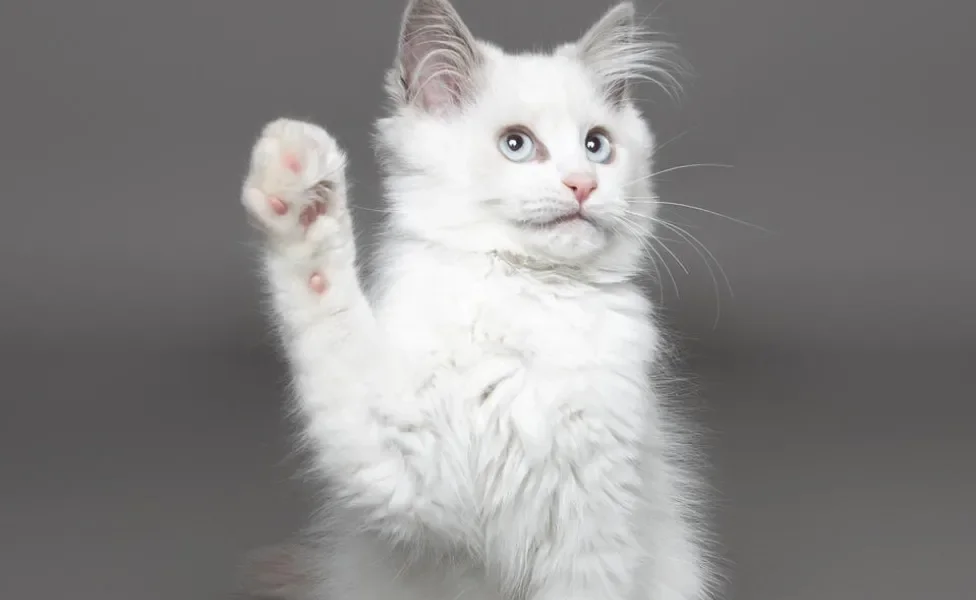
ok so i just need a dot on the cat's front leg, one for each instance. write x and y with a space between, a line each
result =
364 417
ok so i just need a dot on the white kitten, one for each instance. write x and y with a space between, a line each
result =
486 421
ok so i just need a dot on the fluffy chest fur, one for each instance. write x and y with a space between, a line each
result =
541 388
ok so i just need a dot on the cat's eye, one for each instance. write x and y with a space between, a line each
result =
599 149
517 146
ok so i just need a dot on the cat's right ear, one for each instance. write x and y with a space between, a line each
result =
437 56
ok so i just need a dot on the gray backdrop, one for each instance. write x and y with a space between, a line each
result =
143 439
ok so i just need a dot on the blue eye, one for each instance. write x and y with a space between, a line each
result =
598 147
516 146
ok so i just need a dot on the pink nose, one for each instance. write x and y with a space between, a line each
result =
582 186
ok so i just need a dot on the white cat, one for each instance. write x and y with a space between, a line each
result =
486 418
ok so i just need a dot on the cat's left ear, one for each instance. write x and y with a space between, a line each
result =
618 51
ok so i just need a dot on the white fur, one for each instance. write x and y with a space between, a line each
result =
486 418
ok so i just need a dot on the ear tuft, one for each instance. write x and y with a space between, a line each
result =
621 51
437 56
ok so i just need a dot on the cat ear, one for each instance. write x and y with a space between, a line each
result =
617 50
437 56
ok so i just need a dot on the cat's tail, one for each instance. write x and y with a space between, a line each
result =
280 572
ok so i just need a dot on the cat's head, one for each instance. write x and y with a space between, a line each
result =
540 155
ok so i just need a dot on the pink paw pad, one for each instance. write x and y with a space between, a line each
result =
291 161
277 205
317 283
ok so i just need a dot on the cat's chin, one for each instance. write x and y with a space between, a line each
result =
568 240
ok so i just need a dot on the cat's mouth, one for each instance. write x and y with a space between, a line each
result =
563 220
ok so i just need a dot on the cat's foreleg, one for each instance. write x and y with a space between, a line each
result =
367 427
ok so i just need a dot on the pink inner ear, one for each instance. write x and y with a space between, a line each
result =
437 54
431 76
438 92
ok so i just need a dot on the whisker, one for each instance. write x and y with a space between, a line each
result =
669 251
653 263
690 166
696 244
680 167
647 244
657 278
660 147
725 276
718 299
385 211
698 247
650 246
652 200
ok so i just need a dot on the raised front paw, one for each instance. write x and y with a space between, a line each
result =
295 188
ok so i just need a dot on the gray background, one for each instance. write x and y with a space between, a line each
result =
143 441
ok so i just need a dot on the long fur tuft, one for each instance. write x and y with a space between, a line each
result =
622 51
436 59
